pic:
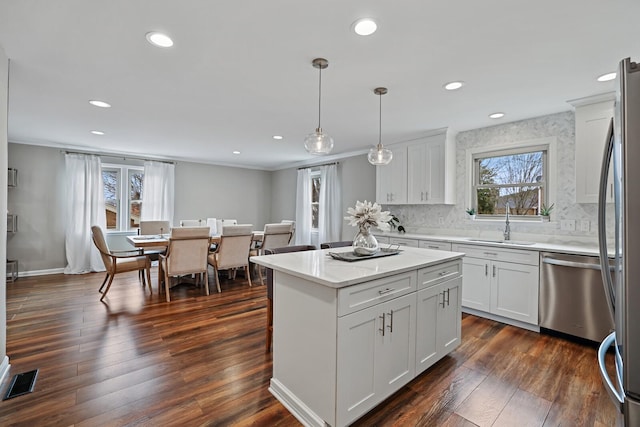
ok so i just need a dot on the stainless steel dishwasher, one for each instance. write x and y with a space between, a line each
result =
572 299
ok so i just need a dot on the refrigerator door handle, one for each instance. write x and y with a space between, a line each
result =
616 396
607 280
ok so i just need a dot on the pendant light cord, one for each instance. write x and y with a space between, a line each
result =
380 124
319 96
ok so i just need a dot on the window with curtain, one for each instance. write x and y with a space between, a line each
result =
318 206
123 186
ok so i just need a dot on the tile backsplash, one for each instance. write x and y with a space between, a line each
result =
448 219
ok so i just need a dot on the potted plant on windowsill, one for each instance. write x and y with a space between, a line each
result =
472 213
545 212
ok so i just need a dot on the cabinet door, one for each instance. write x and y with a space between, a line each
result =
514 291
358 337
425 171
397 352
592 123
476 289
391 179
450 317
430 302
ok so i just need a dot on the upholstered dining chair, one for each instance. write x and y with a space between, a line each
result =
222 222
186 254
276 235
342 244
271 251
119 261
192 223
232 251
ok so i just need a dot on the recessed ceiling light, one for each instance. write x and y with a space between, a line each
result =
453 85
236 152
159 39
97 132
278 137
365 27
496 115
607 77
100 104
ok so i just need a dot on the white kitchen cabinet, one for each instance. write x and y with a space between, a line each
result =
376 349
438 322
501 281
435 244
425 171
421 172
391 179
592 117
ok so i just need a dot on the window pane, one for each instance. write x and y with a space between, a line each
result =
522 200
511 169
315 190
314 215
111 185
136 179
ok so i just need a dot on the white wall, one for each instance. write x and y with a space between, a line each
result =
4 89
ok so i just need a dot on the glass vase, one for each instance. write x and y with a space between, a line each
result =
365 243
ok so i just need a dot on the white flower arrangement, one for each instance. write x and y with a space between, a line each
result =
367 214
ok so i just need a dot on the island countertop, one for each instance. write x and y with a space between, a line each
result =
319 267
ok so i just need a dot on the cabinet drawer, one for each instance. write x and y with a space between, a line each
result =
430 276
437 245
357 297
499 254
403 242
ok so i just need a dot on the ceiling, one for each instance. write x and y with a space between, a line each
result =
240 71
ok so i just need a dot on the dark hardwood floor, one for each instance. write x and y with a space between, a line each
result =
199 360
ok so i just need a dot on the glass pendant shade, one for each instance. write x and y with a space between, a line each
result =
318 142
380 155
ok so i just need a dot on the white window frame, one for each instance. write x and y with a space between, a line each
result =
124 201
548 144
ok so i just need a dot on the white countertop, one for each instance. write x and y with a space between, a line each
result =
317 266
569 248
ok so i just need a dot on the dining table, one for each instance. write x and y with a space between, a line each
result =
162 240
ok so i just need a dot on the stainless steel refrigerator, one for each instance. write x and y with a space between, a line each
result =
622 291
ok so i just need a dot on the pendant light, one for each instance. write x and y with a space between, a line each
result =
379 155
318 142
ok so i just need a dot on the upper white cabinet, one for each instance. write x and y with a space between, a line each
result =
391 179
421 172
592 122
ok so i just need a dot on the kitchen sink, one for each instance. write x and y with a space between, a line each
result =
505 242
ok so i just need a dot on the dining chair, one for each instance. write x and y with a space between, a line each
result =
342 244
119 261
222 222
286 249
232 251
275 235
293 227
186 255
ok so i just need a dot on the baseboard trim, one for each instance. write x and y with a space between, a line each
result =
4 368
40 272
298 409
490 316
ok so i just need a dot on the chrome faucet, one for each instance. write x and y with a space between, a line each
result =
507 228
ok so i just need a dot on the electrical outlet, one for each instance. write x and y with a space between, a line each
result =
585 225
568 225
440 220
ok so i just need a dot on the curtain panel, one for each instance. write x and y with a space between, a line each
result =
85 207
303 208
330 209
158 192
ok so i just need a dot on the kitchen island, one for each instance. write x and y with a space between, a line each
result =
346 335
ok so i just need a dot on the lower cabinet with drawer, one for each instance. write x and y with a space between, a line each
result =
346 350
501 281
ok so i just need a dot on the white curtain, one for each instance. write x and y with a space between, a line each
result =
85 207
303 208
330 210
157 192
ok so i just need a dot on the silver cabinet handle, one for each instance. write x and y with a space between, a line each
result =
386 291
494 271
390 326
486 269
490 253
447 297
443 273
382 330
433 247
442 303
